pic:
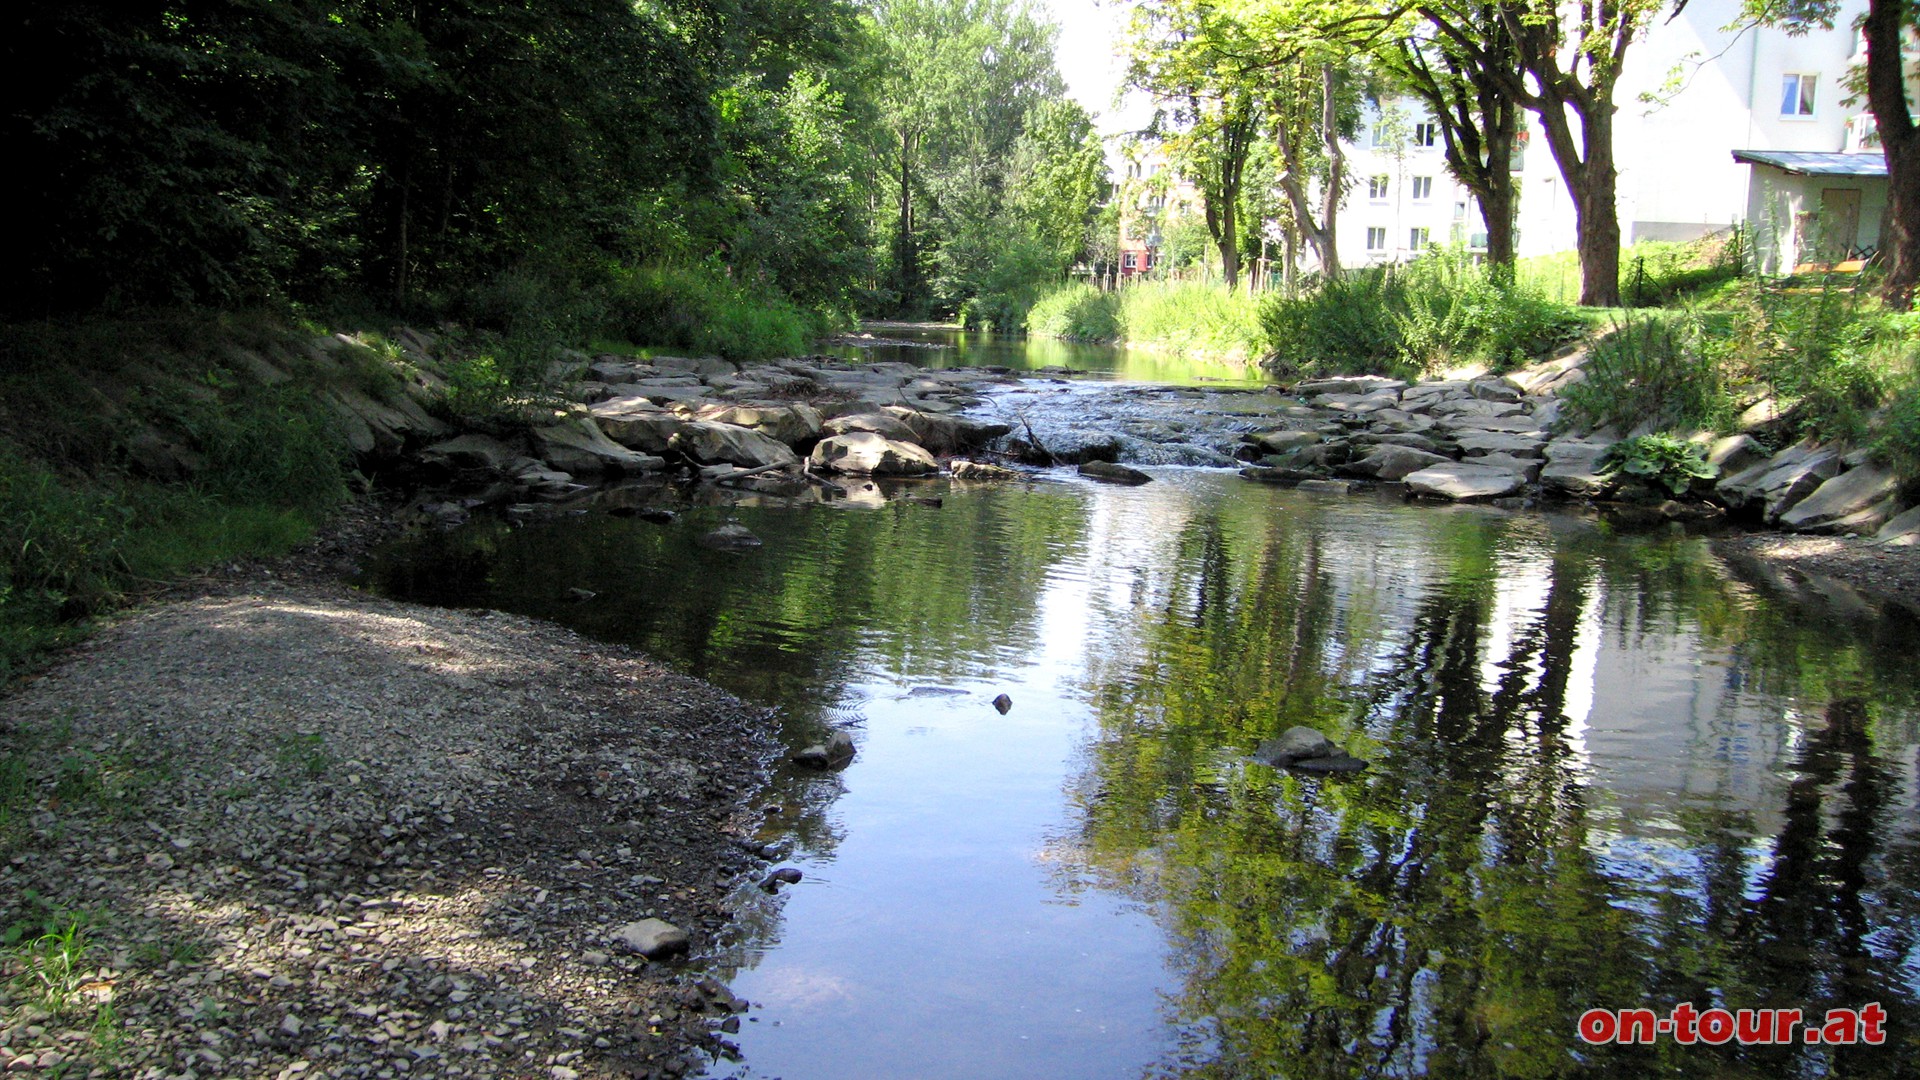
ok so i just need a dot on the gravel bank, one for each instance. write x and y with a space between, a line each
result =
1878 571
312 833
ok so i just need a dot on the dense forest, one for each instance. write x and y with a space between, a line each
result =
597 162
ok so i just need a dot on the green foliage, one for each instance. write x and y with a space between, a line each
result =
1653 273
303 755
1659 367
46 947
1674 464
701 311
1433 313
1195 318
1077 312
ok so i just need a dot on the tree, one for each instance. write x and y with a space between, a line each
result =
959 80
1888 27
1569 62
1479 119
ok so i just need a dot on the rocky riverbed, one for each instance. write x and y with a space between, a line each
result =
289 830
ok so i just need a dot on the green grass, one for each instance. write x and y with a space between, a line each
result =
45 949
1653 273
1189 318
701 311
1440 311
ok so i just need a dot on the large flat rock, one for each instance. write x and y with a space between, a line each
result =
1841 498
1463 481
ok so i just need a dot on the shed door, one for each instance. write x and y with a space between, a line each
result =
1839 223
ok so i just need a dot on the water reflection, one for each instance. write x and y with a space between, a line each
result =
1607 771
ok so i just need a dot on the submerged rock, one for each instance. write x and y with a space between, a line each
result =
1003 704
731 536
832 754
1114 473
1294 744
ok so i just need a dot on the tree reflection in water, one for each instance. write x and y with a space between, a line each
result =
1453 910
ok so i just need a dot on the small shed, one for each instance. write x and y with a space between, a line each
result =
1814 208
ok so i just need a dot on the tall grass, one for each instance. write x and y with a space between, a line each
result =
1438 311
700 310
1194 318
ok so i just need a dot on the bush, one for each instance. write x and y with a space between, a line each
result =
1660 368
700 310
1659 459
1192 317
1077 312
1436 312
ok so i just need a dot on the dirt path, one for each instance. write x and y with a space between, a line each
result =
1879 572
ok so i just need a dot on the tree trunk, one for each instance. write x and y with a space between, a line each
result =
1900 141
1331 195
906 260
1592 181
1497 211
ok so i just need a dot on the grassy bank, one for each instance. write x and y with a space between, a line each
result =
1431 314
1780 360
133 451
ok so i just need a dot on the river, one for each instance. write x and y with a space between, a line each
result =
1608 770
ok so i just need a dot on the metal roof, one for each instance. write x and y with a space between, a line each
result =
1803 163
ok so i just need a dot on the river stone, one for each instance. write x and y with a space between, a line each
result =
732 536
1114 474
1573 468
1777 484
636 423
1463 407
578 446
1528 468
1840 498
1517 424
983 470
1390 462
866 452
1417 442
1541 378
1518 444
1326 487
879 422
834 753
787 423
1465 480
1333 763
725 444
1495 390
1279 442
1734 453
1356 384
655 939
947 434
1902 531
1399 422
471 452
1284 477
1294 744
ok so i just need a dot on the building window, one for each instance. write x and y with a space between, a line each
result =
1459 211
1416 239
1427 134
1130 261
1377 188
1376 238
1422 188
1796 95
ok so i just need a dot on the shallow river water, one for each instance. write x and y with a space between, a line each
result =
1607 771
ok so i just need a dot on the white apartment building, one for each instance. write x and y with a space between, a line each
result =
1691 94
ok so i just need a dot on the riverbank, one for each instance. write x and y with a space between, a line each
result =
274 827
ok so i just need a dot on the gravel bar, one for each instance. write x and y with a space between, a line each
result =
312 833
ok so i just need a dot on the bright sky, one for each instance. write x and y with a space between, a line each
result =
1090 33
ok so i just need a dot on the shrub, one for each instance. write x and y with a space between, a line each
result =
1659 459
1192 317
1435 312
1077 312
702 311
1652 367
